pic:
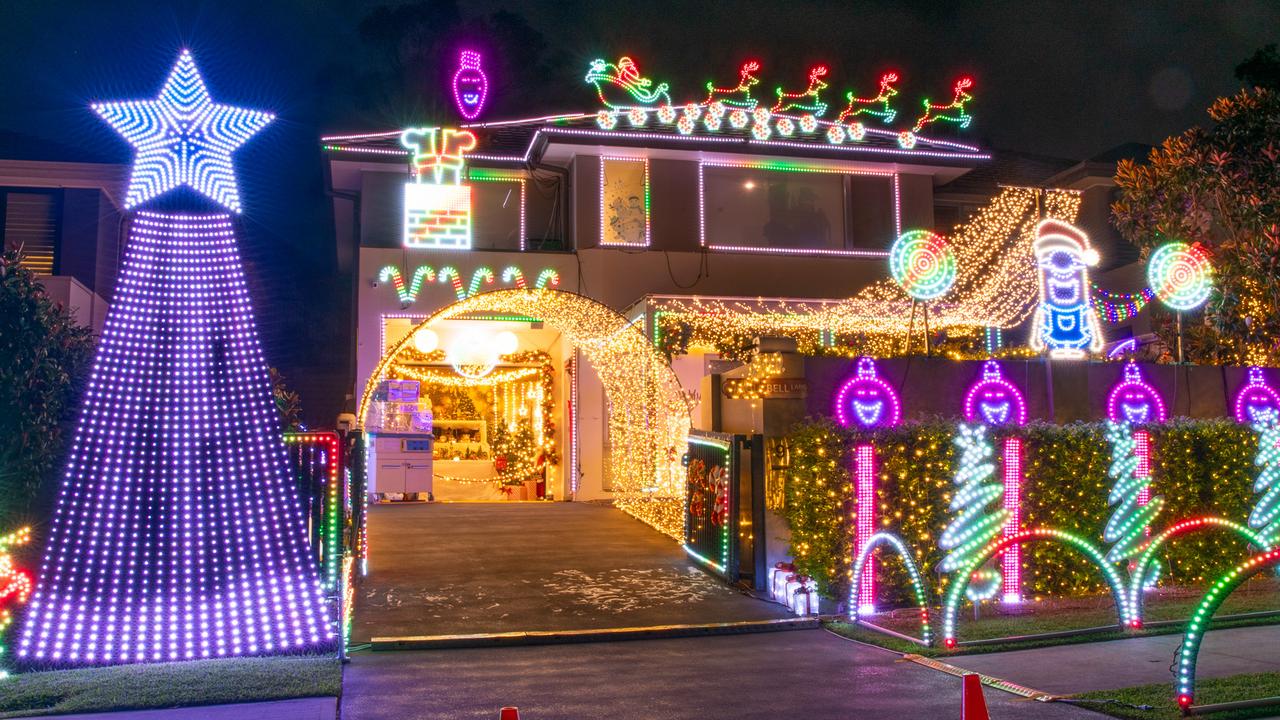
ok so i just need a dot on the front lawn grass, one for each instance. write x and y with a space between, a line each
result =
1057 615
167 685
1208 691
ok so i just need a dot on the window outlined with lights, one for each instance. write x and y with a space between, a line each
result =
624 202
819 218
483 221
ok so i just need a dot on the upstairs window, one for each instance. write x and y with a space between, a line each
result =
31 227
624 202
772 208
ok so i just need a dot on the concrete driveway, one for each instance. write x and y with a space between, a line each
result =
462 568
809 674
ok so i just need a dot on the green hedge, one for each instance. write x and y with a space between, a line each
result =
1199 466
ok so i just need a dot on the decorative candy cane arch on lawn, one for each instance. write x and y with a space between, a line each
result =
1153 546
917 583
1185 669
648 413
951 602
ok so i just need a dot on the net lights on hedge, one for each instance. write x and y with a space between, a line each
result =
183 138
648 411
1065 323
15 583
866 402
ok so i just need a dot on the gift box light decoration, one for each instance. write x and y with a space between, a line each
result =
437 205
996 402
1065 323
177 533
866 402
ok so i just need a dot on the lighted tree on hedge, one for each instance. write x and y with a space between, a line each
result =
1265 516
974 525
177 533
1219 187
1125 528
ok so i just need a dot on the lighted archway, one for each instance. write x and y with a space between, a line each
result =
1184 671
951 602
1153 546
648 411
917 583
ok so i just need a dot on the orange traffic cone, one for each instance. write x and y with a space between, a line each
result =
972 705
510 713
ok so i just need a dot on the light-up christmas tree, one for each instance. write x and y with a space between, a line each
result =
974 524
1126 527
177 533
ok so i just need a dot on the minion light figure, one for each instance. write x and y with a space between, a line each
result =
1064 321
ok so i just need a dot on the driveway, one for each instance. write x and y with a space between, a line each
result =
809 674
462 568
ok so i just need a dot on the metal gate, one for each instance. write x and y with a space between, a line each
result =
724 491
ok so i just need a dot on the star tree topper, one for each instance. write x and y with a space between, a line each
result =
183 138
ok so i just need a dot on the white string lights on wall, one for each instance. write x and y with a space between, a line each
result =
648 412
995 285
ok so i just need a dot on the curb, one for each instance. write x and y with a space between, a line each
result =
989 681
565 637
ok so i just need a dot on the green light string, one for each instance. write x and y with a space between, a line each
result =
1126 527
951 601
917 581
975 524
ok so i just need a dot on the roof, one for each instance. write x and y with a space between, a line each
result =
1006 168
21 146
518 141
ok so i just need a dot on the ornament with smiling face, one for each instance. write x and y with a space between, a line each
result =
1257 402
1134 400
993 400
470 85
866 401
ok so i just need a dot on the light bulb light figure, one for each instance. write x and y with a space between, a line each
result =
470 85
866 402
1064 322
994 401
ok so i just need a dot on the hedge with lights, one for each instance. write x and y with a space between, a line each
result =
1199 466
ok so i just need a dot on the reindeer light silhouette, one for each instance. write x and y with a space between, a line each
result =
867 106
807 101
951 112
740 96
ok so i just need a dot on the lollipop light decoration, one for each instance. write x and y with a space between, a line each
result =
923 264
1181 276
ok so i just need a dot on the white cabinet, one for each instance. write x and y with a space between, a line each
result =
400 463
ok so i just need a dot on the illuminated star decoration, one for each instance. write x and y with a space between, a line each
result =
183 138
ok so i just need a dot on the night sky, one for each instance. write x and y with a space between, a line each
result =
1063 79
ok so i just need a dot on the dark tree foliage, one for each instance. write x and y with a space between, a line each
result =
44 362
414 51
1218 186
1262 69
